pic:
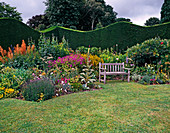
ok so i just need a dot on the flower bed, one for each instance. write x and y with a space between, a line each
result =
26 70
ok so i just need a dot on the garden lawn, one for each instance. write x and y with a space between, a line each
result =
118 107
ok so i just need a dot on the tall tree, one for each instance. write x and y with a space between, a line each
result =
65 12
95 12
152 21
7 11
165 11
38 21
83 14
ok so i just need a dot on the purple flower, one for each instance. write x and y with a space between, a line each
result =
126 59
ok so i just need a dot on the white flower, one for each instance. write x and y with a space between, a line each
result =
117 58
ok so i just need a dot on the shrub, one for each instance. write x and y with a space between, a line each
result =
51 48
37 90
93 50
76 87
13 78
150 51
94 60
113 58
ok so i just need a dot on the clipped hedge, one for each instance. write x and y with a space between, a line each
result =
12 32
124 34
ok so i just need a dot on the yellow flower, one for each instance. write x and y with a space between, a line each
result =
14 76
2 88
1 96
10 90
43 73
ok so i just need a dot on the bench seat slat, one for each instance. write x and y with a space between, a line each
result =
113 73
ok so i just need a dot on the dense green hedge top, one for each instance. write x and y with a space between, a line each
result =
122 33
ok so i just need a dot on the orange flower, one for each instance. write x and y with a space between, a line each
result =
2 51
10 51
32 48
28 49
16 51
2 60
23 47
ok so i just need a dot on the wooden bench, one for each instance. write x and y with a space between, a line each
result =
112 69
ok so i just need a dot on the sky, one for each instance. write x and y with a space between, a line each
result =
137 10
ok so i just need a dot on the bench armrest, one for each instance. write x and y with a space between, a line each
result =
128 69
102 68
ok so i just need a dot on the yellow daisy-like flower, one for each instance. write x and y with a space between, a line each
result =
14 76
1 96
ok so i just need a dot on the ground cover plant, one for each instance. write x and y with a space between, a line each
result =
118 107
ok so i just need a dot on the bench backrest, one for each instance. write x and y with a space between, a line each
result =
112 67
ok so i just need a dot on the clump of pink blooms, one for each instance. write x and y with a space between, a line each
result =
72 60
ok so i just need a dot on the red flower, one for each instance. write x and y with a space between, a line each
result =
89 46
162 42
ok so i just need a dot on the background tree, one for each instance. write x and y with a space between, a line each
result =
39 22
82 14
123 19
96 12
64 12
7 11
152 21
165 11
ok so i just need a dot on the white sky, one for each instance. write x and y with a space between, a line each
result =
136 10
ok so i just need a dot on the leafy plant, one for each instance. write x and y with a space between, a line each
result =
33 90
150 51
13 78
76 87
51 49
87 74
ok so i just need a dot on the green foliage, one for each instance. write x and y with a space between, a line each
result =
13 78
118 33
66 13
87 74
123 19
165 11
76 87
114 58
145 80
34 90
93 50
26 61
150 51
7 11
39 22
80 14
9 36
152 21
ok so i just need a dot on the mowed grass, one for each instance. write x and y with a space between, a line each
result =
118 107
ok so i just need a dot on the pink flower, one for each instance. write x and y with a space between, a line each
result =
151 79
89 46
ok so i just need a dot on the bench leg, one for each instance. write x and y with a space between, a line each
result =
128 76
104 78
99 77
122 77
